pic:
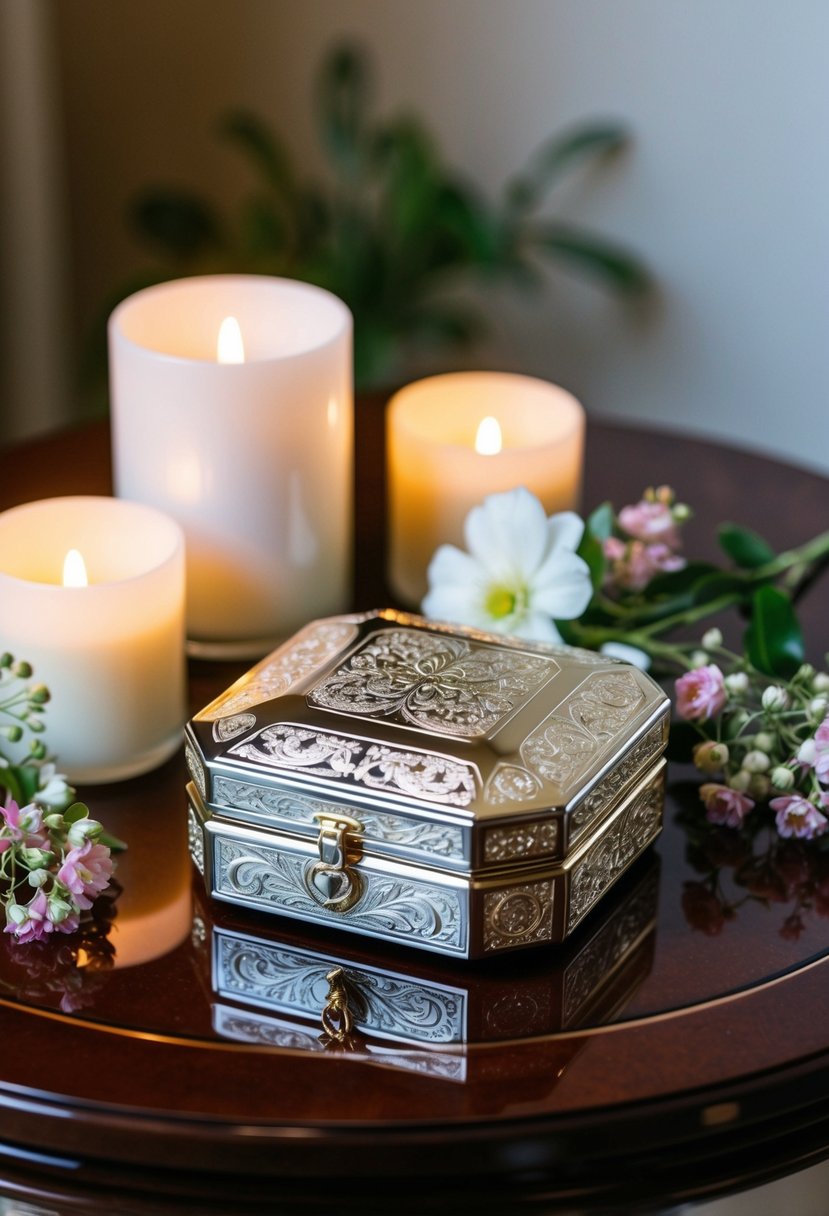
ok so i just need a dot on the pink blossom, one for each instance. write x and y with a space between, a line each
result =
24 823
36 923
797 816
633 564
724 805
86 871
701 693
651 521
821 761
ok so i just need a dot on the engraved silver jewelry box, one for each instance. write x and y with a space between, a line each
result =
427 785
273 985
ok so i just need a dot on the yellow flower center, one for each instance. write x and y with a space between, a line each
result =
500 602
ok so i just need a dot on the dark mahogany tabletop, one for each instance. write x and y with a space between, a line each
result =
613 1073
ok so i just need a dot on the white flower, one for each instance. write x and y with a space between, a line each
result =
628 654
737 682
775 698
54 792
521 572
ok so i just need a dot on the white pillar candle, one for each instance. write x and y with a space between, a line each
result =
112 652
251 450
528 432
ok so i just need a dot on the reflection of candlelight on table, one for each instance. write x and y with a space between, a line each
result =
453 439
92 596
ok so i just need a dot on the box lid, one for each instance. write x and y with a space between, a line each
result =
457 747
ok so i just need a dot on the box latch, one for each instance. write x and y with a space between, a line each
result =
332 880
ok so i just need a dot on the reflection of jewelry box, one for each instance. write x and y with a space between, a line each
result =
275 987
432 786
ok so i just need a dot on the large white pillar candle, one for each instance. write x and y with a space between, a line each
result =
111 652
453 439
247 442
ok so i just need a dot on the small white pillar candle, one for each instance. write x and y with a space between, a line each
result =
249 445
528 433
111 652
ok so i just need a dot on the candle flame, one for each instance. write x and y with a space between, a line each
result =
230 348
488 440
74 570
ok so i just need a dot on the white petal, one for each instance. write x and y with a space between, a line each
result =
537 627
628 654
508 533
565 530
564 589
451 565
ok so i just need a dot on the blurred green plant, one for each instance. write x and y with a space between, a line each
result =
391 229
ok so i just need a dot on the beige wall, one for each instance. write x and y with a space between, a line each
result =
725 190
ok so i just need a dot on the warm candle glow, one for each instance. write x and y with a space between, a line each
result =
488 438
74 570
230 348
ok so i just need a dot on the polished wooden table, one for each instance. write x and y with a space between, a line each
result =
695 1060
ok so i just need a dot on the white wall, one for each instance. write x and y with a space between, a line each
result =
725 190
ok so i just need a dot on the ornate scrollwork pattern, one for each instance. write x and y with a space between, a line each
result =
431 839
531 839
636 826
416 774
564 746
390 907
442 684
294 661
294 981
195 769
225 729
520 915
195 841
625 772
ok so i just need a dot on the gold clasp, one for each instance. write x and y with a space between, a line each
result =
332 881
337 1022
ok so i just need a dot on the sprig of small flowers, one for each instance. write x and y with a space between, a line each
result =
52 867
767 739
54 859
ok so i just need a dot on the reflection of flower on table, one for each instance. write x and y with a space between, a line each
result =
755 864
66 972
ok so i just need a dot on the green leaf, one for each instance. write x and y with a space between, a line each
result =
773 640
680 582
607 261
343 95
267 152
113 842
592 552
263 229
78 810
600 522
598 527
182 224
745 548
556 156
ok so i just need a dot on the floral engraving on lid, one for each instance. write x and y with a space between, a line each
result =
225 729
563 747
345 759
279 672
442 684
